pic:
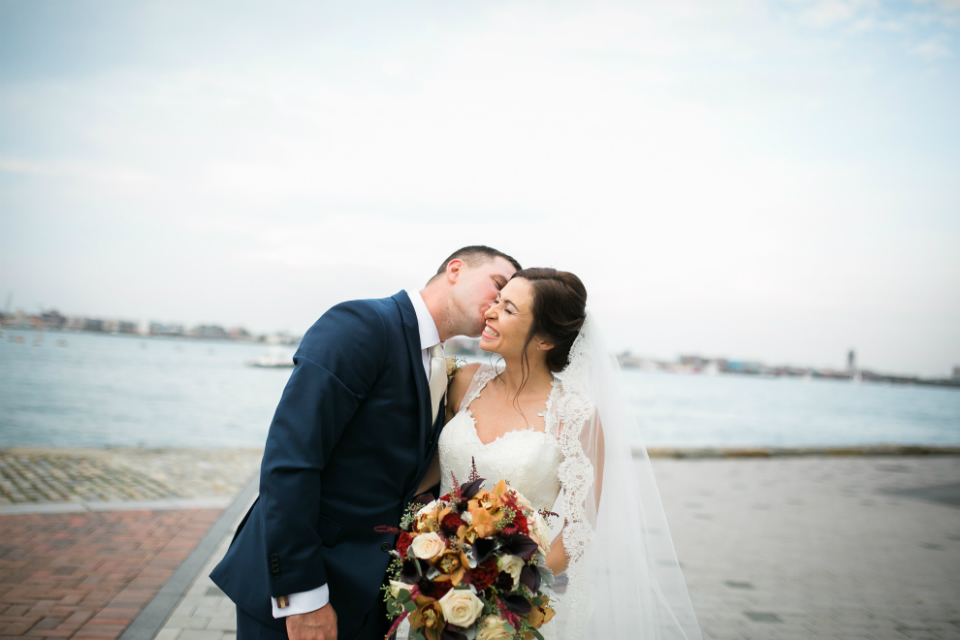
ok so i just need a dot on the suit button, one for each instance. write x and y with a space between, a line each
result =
274 565
385 547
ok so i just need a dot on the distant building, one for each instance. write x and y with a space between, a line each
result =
52 319
693 361
119 326
851 360
209 332
77 323
956 373
170 330
281 337
238 333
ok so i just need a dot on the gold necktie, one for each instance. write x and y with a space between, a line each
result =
438 379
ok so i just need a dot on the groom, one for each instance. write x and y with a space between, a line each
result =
353 435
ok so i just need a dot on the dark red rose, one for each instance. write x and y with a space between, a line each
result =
485 574
508 530
435 590
403 543
520 522
450 523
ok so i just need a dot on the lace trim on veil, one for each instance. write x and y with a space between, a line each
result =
576 473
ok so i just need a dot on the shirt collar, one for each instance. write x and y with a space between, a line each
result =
429 335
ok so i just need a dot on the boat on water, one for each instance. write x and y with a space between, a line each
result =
273 360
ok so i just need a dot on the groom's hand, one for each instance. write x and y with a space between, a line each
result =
316 625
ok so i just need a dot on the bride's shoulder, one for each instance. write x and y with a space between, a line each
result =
460 383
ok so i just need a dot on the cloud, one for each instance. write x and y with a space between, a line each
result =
931 50
831 13
721 174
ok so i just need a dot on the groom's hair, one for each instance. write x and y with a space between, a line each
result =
476 255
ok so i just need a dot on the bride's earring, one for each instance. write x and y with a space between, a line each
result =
538 348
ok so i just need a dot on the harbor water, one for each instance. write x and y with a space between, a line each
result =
93 390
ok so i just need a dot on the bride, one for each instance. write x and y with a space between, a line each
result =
550 419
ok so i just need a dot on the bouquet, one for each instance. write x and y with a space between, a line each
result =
470 566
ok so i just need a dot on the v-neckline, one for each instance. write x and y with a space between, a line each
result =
548 406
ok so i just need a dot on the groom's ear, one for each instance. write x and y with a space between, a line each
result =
454 268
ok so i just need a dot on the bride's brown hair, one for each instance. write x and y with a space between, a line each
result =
559 309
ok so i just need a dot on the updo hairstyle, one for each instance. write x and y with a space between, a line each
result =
559 309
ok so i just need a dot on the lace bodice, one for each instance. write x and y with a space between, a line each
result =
527 459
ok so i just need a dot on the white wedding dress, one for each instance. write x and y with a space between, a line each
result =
623 580
531 461
527 459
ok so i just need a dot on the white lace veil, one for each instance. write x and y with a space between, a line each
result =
623 579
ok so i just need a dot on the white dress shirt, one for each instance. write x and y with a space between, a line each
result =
307 601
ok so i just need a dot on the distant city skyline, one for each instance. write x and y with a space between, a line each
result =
774 181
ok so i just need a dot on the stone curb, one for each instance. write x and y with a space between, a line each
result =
151 620
131 505
778 452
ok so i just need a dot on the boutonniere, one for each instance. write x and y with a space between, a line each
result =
454 365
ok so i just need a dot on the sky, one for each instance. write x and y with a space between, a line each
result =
773 181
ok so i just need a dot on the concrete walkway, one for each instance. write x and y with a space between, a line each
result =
205 613
808 547
819 547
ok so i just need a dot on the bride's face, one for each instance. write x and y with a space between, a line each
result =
509 319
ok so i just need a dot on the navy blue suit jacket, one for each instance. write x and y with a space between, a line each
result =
349 443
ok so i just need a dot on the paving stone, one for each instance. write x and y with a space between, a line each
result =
200 634
827 565
88 575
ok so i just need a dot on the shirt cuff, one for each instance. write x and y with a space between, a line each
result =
303 602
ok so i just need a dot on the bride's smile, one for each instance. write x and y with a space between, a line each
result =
508 321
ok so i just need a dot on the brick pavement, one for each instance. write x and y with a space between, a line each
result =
87 575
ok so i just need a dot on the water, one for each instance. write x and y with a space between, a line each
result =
101 390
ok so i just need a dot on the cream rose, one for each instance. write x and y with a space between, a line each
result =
539 531
461 607
492 628
512 565
451 366
397 587
429 508
428 546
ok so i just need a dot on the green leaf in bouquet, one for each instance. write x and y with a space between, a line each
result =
546 576
536 634
403 596
410 606
416 635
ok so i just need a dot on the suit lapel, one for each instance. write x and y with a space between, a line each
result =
411 331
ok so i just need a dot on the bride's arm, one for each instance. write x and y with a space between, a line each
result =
557 558
455 392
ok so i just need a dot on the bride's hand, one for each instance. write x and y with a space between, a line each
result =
557 557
